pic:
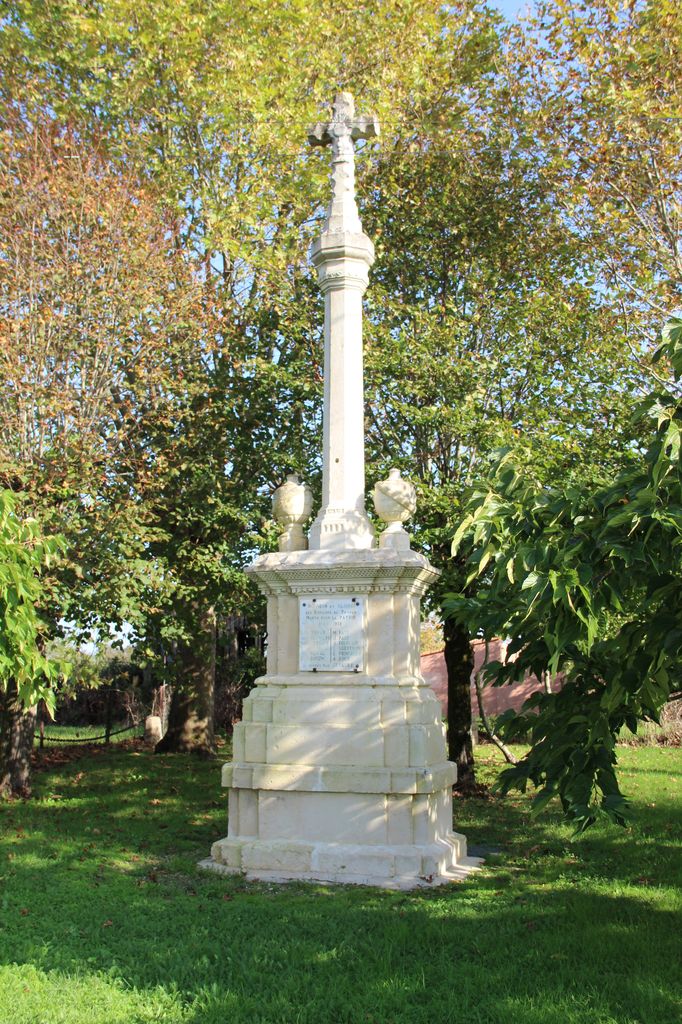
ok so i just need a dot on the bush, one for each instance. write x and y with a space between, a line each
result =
235 678
652 734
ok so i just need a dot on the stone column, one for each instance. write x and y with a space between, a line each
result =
343 261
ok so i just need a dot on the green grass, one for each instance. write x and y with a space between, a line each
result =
85 734
105 919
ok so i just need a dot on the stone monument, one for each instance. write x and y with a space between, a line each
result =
340 770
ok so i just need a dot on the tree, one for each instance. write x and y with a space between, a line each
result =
587 583
26 674
101 320
201 513
489 323
596 86
483 327
211 105
88 292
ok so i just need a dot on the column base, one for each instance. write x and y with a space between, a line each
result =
387 867
337 529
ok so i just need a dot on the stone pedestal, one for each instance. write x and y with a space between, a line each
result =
342 776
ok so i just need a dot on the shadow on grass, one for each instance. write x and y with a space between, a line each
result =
99 882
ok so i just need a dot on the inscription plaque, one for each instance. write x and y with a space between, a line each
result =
331 634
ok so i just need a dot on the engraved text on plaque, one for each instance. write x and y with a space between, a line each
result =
332 634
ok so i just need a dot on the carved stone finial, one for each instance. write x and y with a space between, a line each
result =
395 500
340 133
291 505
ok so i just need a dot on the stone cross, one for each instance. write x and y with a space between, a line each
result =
343 255
340 133
340 769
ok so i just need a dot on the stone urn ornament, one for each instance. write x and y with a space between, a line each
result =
292 503
395 500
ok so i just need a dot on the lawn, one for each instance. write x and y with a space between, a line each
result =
104 918
57 734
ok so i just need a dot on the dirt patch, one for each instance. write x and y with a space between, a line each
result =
55 757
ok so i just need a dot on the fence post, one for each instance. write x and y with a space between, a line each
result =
107 726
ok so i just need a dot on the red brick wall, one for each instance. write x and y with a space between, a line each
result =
496 699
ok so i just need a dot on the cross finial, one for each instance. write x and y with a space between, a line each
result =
340 133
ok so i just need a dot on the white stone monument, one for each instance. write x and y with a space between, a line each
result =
340 770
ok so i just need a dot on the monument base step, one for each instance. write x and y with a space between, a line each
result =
387 867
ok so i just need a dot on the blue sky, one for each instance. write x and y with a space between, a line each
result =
510 8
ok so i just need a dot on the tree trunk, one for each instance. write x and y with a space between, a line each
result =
17 726
459 662
190 720
490 732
